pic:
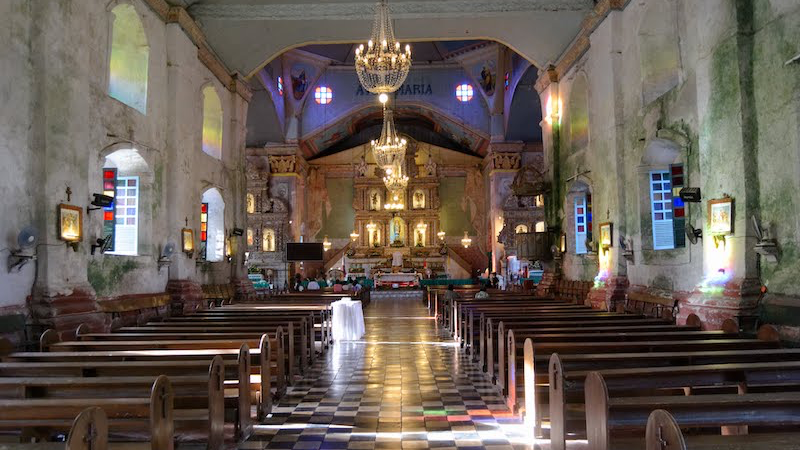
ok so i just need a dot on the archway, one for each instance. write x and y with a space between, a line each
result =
212 226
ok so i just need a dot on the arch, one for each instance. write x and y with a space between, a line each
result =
578 110
525 111
212 122
662 163
521 229
129 58
268 240
540 227
213 246
128 178
659 51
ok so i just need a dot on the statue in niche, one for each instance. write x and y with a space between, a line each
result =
418 200
361 167
268 244
251 203
374 200
430 167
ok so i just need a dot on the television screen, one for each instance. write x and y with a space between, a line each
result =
298 251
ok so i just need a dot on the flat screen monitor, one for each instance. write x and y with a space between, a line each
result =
300 251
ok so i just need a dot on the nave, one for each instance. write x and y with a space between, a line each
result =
404 385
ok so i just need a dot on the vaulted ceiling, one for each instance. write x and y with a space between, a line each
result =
246 34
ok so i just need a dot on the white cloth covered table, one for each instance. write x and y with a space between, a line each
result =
348 320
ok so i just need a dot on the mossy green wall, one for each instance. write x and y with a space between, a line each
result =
339 223
454 220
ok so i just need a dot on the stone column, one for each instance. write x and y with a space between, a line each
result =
499 167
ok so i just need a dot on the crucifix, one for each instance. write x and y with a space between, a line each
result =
69 193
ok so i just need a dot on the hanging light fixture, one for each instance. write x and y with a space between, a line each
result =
354 236
390 149
326 244
383 65
441 235
394 180
466 241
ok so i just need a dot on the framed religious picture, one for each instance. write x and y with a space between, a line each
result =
70 223
606 235
720 216
187 240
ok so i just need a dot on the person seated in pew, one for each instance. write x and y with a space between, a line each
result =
347 286
482 294
357 287
495 281
337 287
298 284
313 285
451 294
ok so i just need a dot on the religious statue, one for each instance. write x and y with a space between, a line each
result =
419 200
374 201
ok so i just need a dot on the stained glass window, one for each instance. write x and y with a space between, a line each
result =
323 95
203 229
280 86
464 92
109 189
678 207
507 81
581 229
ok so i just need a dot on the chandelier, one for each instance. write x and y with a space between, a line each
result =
326 244
390 149
466 241
383 66
394 180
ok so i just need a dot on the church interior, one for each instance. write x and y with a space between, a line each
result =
253 224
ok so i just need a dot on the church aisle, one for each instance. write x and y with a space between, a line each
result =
402 386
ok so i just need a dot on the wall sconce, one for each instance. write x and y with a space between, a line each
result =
441 235
466 241
553 110
228 249
326 244
563 243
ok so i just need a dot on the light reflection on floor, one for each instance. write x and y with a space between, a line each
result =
403 386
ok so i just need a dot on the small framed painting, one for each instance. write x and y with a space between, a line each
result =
70 223
606 234
187 240
720 216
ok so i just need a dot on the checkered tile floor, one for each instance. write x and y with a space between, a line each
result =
402 386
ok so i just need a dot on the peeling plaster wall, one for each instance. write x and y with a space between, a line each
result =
63 125
735 117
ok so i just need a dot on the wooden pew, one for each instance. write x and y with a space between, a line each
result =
742 376
663 433
608 416
89 431
127 416
241 365
525 354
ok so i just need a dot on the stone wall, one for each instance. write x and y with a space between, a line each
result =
702 84
62 126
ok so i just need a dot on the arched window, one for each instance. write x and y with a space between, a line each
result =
579 201
268 240
579 113
124 174
323 95
540 227
129 59
212 122
251 203
521 229
212 226
464 92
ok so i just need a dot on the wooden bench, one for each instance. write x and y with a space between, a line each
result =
648 304
127 416
262 362
664 433
567 388
608 416
89 431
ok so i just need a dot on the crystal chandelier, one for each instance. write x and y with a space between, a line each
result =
394 180
466 241
390 149
383 66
